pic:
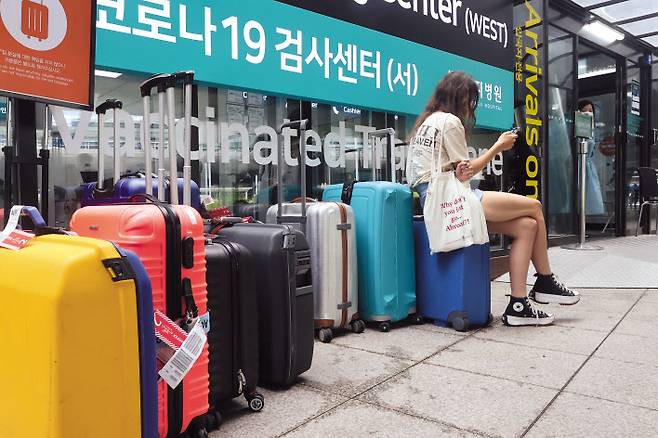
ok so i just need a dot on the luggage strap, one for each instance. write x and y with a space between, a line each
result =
192 310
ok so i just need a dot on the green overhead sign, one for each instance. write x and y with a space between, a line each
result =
274 48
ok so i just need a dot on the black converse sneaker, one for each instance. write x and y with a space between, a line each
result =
548 289
520 312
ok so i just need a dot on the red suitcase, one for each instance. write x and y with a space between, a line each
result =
169 240
34 22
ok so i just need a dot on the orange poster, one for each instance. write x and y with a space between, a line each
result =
46 50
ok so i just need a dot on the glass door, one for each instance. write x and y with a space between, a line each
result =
560 147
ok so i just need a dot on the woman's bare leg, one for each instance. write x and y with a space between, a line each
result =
524 231
505 207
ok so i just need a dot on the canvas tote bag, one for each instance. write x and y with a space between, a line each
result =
454 217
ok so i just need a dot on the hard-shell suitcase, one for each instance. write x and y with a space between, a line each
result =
285 298
170 242
233 338
285 286
329 229
86 341
455 287
385 249
34 19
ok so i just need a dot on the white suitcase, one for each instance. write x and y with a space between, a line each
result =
330 230
331 233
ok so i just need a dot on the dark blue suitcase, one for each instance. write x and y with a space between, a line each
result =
147 364
452 288
129 186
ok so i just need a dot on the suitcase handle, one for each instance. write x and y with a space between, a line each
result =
308 200
301 125
389 133
26 211
101 110
145 197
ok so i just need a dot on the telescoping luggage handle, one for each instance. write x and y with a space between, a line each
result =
302 126
389 133
101 110
165 84
155 81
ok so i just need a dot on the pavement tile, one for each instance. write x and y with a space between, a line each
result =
547 368
558 338
612 294
622 382
284 410
468 401
645 308
578 416
641 321
357 419
630 348
430 327
651 295
346 371
577 317
403 343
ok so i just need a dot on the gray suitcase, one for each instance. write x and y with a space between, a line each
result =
331 234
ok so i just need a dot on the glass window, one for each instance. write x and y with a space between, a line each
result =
633 146
238 145
561 52
626 9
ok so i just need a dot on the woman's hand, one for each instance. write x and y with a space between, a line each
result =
505 141
464 171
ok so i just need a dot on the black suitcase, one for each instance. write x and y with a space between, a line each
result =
285 298
233 336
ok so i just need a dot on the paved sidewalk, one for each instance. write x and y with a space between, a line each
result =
593 374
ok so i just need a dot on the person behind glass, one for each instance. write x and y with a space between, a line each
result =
452 108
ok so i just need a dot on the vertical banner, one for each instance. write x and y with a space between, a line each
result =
524 170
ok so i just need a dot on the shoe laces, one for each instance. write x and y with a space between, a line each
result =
560 285
536 313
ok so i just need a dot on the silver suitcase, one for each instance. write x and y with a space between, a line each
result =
331 233
330 230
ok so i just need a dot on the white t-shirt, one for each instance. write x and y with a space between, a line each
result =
419 163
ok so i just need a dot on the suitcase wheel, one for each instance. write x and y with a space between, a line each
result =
256 402
460 323
417 319
490 320
358 326
325 335
201 433
385 326
213 420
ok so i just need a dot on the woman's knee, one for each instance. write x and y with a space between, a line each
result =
527 227
536 208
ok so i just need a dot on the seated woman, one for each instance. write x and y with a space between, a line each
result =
453 105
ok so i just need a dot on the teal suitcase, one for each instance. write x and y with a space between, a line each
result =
385 249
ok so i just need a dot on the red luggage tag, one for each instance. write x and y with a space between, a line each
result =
11 237
168 331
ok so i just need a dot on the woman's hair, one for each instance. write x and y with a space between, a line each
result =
457 94
583 103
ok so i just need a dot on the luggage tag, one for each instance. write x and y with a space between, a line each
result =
182 361
12 237
177 350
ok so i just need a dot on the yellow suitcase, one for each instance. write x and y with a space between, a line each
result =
72 347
